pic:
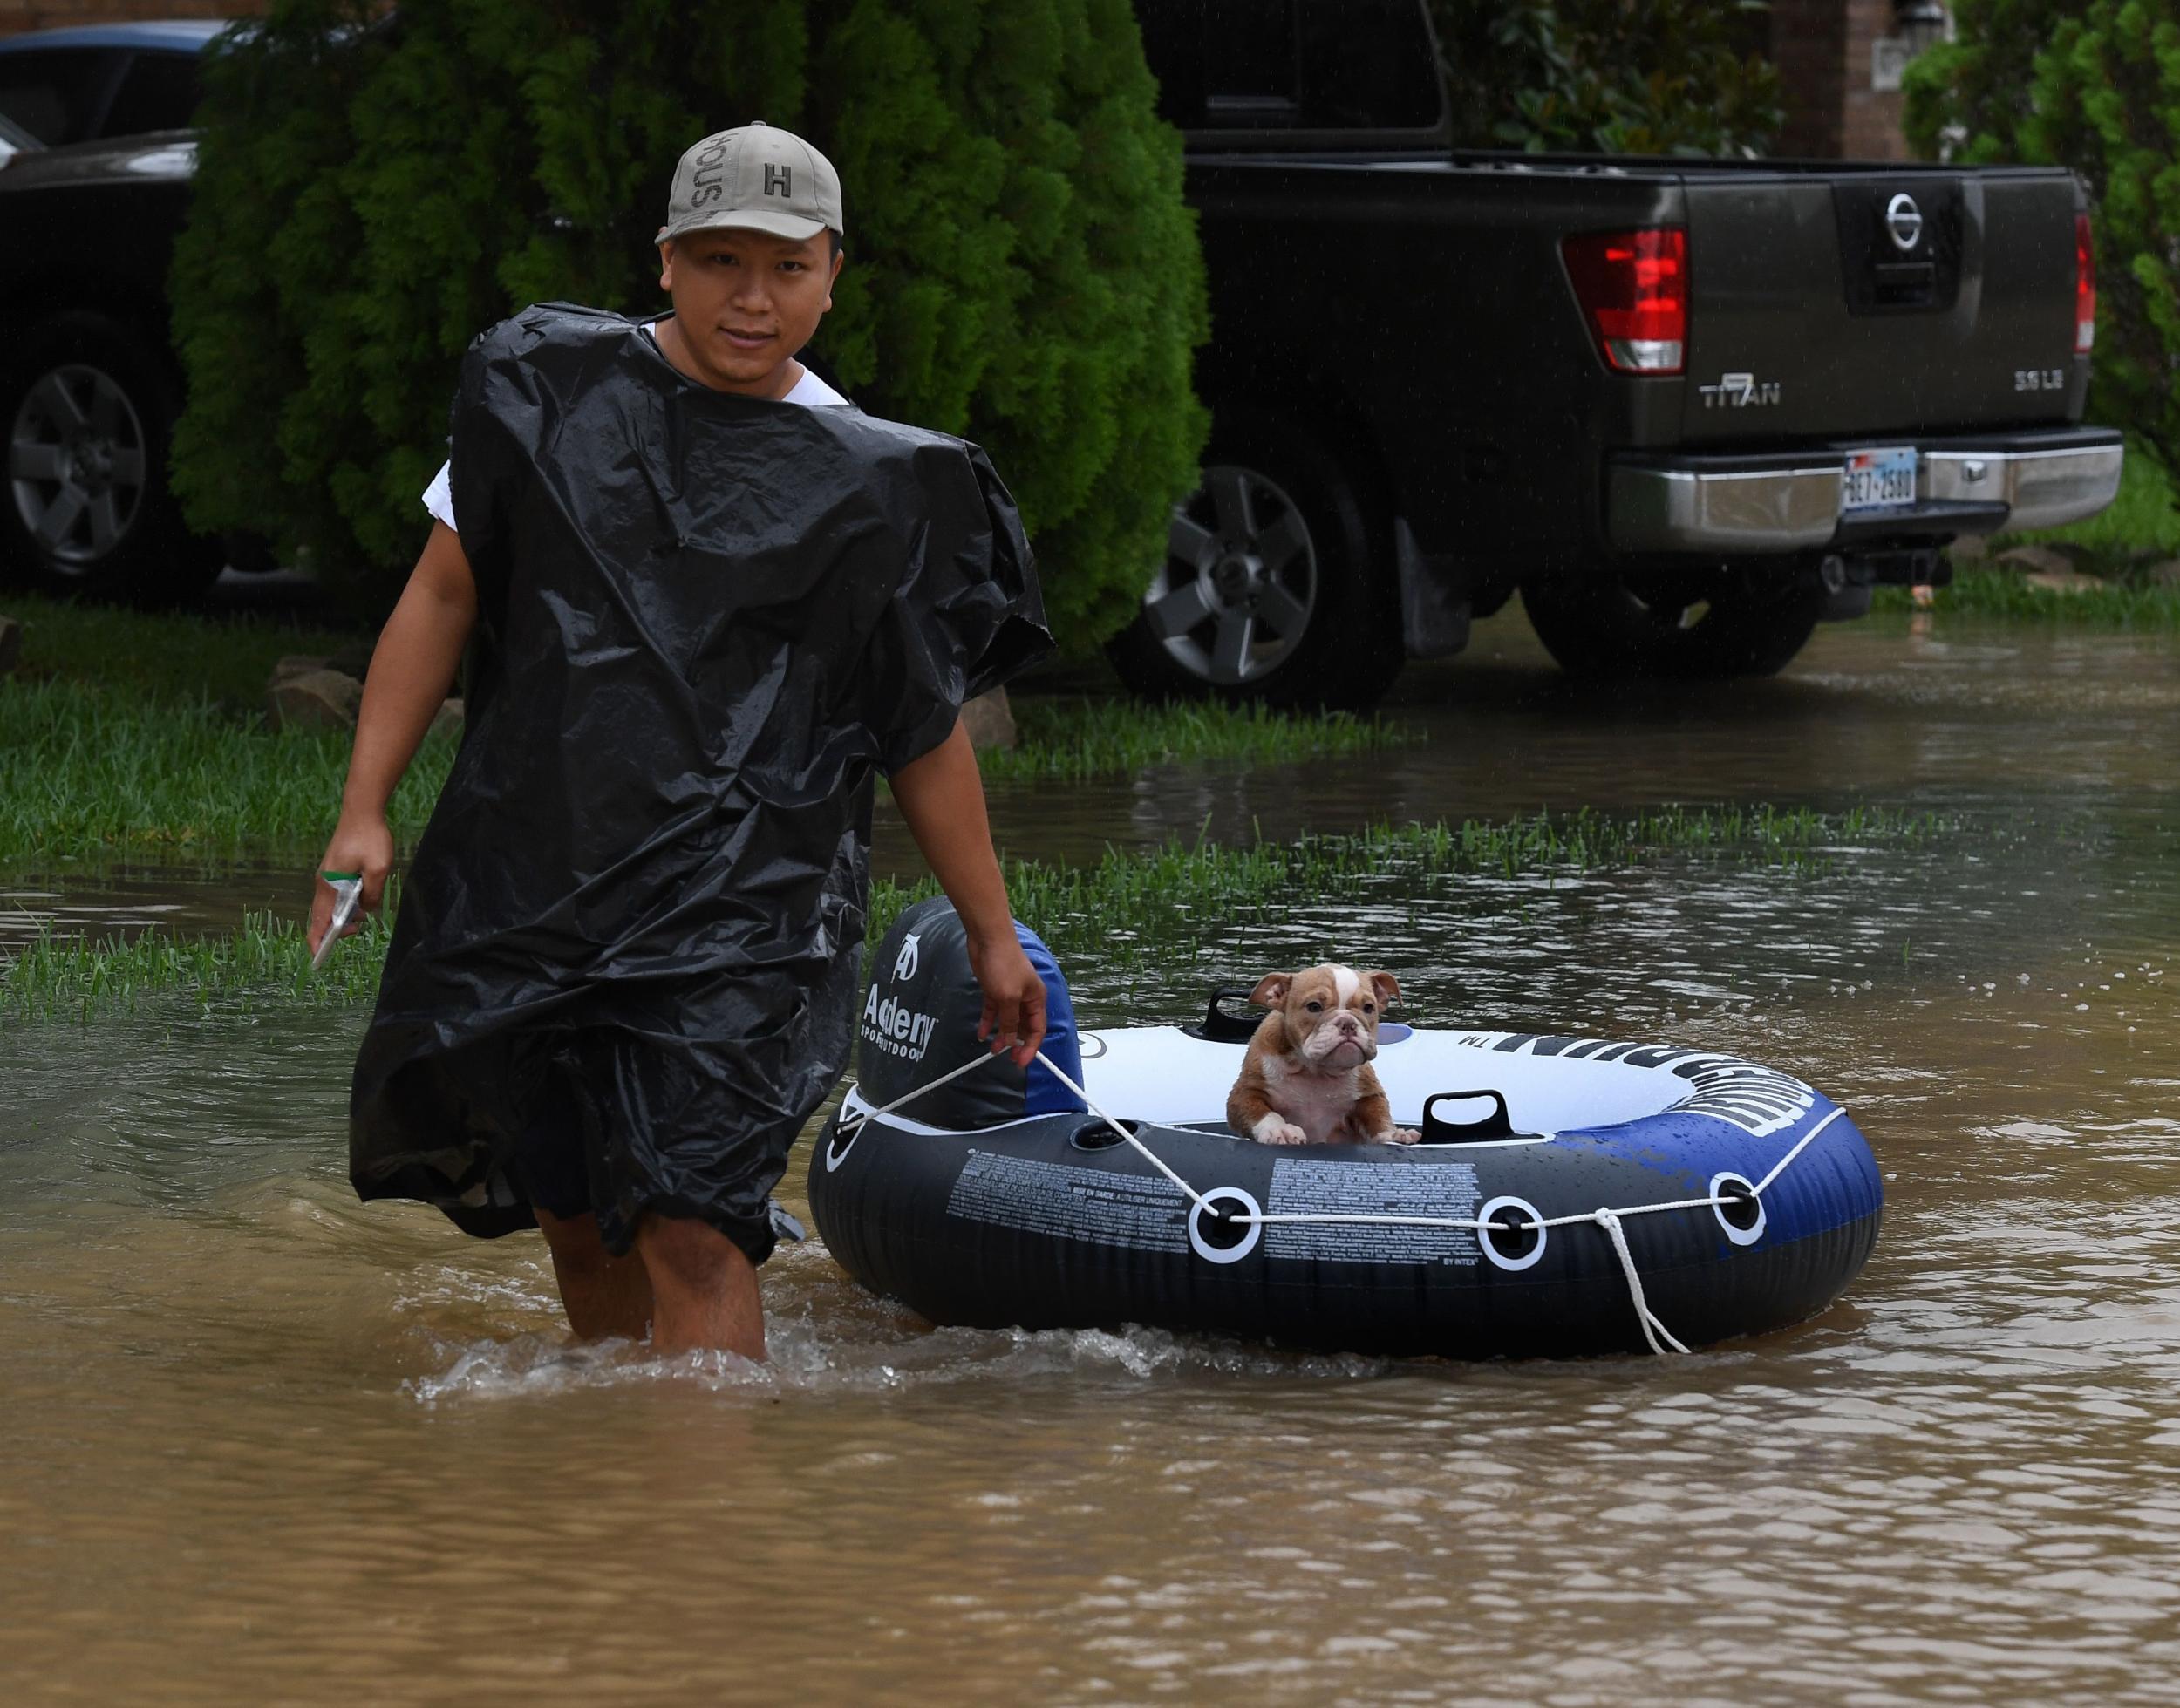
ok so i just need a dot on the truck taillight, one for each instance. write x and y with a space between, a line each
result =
2085 286
1633 285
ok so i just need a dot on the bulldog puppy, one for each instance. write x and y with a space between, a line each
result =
1306 1079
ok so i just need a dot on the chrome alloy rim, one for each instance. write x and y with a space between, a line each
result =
1239 584
75 464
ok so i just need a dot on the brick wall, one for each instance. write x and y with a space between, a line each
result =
1823 52
19 14
1870 127
1808 45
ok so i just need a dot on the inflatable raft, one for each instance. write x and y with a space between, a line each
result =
1571 1195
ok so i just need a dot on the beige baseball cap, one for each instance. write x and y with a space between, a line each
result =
756 178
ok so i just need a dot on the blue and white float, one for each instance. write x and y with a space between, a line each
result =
1571 1195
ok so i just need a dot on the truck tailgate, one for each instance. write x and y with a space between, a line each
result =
1862 303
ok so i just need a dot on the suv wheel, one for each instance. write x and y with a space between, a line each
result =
89 413
1270 589
1728 622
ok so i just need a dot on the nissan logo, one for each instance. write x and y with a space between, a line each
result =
1904 221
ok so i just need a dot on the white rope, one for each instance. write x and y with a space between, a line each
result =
1060 1074
1653 1331
1779 1167
861 1116
1660 1338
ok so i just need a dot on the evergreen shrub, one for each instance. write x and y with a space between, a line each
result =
2094 86
373 191
1618 77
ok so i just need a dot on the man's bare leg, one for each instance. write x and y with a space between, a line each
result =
703 1289
603 1295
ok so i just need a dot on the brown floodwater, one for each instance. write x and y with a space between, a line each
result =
258 1442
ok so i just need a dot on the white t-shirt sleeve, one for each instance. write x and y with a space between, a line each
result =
439 497
810 391
813 392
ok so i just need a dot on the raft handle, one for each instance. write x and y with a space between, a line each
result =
1438 1131
1218 1026
1098 1135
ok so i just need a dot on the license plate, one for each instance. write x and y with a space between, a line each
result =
1879 479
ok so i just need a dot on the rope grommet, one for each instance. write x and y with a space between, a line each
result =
1738 1208
1515 1241
1222 1225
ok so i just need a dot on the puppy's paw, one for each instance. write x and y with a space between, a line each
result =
1400 1135
1272 1130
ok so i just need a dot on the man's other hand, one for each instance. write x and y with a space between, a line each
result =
1014 998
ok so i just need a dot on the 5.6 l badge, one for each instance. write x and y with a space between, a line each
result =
1739 391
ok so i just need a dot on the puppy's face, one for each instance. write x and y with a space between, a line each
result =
1331 1013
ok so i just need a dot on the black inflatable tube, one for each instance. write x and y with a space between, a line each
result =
1043 1223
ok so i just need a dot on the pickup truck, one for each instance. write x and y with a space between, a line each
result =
1687 407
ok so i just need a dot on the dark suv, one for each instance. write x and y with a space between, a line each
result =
89 387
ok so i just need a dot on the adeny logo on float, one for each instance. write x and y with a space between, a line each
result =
897 1028
904 963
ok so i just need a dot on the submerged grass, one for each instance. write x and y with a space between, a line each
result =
85 770
1069 740
1127 904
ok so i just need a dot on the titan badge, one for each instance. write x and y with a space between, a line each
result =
1739 391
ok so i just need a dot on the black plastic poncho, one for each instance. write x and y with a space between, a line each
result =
705 622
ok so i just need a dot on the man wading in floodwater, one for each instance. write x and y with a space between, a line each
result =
710 599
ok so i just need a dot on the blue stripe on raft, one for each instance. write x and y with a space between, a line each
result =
1043 1093
1832 1182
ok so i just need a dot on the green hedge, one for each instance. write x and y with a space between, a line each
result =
2094 86
372 192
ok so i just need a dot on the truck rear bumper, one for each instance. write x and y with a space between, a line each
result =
1787 501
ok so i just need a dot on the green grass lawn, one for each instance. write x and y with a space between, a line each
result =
126 732
161 659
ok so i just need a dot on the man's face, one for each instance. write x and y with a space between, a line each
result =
744 302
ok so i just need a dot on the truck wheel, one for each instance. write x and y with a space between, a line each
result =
1721 622
89 411
1270 590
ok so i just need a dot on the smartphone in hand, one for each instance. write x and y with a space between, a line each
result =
348 896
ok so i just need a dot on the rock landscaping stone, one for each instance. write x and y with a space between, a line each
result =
448 720
2164 574
1970 549
314 699
2038 560
295 664
2049 568
10 644
990 721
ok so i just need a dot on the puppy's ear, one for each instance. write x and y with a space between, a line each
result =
1387 988
1271 989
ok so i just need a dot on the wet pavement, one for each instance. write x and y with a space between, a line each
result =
264 1441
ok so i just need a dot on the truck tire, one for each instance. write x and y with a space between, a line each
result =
89 410
1730 621
1274 588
